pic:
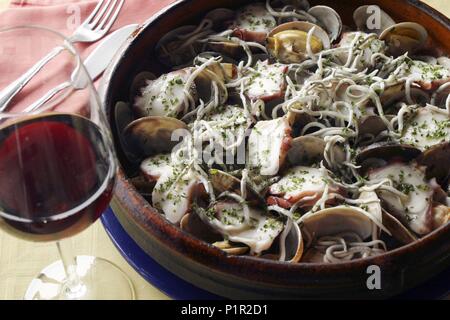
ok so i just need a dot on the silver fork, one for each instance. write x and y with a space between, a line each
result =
92 29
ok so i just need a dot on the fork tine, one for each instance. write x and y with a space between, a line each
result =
94 12
107 15
114 16
100 14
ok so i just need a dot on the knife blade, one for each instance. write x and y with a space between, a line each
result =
101 56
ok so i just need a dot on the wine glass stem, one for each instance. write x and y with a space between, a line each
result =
72 286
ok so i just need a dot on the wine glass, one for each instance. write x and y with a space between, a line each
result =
57 165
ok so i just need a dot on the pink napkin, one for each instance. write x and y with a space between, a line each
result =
60 15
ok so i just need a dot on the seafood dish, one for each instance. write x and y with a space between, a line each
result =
278 132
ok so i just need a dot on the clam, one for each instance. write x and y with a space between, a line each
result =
294 246
436 160
392 224
213 54
172 50
221 18
396 92
143 185
229 248
298 4
338 233
123 116
378 154
404 37
370 125
151 135
223 182
372 19
336 220
397 229
298 120
227 47
307 150
219 72
192 224
329 19
288 41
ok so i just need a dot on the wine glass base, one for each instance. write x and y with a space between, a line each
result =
99 280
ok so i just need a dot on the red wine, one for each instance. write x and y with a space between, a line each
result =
56 176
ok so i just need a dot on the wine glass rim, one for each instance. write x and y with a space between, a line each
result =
67 43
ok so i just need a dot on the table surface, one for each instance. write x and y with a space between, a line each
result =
20 261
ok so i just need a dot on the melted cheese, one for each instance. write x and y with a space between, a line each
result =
410 180
156 166
164 96
266 81
258 235
300 181
173 194
428 127
255 18
266 145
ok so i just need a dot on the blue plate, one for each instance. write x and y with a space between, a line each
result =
177 288
149 269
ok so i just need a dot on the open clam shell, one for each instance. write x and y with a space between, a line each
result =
230 248
336 220
192 224
223 181
329 19
151 135
288 41
436 160
294 244
397 229
378 154
228 48
307 150
370 125
372 19
123 116
221 18
392 224
404 37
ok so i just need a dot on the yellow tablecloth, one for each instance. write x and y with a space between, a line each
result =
20 261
